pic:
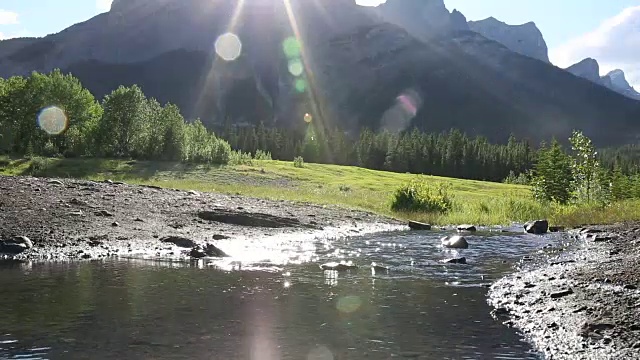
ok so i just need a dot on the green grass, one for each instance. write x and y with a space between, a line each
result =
475 202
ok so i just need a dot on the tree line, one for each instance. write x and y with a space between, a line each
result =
54 115
451 154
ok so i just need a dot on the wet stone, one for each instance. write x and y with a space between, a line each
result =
561 294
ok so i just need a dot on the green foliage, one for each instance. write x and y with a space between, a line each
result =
520 179
39 166
263 155
585 166
420 196
203 146
240 158
552 179
298 162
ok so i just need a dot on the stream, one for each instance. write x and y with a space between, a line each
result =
271 300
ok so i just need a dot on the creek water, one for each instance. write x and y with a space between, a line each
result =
271 301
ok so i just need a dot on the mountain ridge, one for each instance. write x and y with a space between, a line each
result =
359 71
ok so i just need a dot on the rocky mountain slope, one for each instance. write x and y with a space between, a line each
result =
360 69
525 39
614 80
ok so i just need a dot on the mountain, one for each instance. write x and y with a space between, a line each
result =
614 80
618 82
525 39
360 70
588 69
423 19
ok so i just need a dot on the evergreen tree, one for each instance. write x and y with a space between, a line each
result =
552 176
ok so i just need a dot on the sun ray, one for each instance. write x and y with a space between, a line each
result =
319 123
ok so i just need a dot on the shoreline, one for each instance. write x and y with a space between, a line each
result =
69 219
581 304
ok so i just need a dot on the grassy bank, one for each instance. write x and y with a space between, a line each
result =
476 202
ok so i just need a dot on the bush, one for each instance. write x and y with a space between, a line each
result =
262 155
298 162
38 166
345 188
520 179
419 196
240 158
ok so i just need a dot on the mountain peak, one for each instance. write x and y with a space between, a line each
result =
422 18
588 69
525 39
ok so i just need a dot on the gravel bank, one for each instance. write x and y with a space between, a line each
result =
73 219
582 303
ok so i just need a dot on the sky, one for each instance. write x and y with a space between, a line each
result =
607 30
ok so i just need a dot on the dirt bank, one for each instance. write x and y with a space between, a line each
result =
580 304
75 219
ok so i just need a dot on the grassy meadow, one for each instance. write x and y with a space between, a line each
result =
476 202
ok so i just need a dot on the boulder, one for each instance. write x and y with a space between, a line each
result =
197 253
461 260
414 225
179 241
537 227
341 266
466 228
214 251
378 267
15 245
455 242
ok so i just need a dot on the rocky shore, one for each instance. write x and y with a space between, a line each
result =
64 219
582 302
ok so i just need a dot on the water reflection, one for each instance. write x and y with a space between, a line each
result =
147 309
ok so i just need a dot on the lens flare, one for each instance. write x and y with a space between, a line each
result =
308 118
295 67
291 47
301 85
53 120
228 46
320 353
349 304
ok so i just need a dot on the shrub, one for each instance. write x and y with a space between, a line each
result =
298 162
419 196
38 166
345 188
262 155
240 158
520 179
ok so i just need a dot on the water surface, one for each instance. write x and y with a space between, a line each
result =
270 302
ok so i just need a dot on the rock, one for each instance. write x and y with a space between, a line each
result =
103 213
378 267
561 294
590 231
155 187
251 219
500 312
415 225
220 237
193 193
179 241
197 252
55 182
138 220
555 229
529 285
108 181
214 251
525 39
461 260
115 224
15 245
77 202
537 227
341 266
630 287
466 228
454 242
